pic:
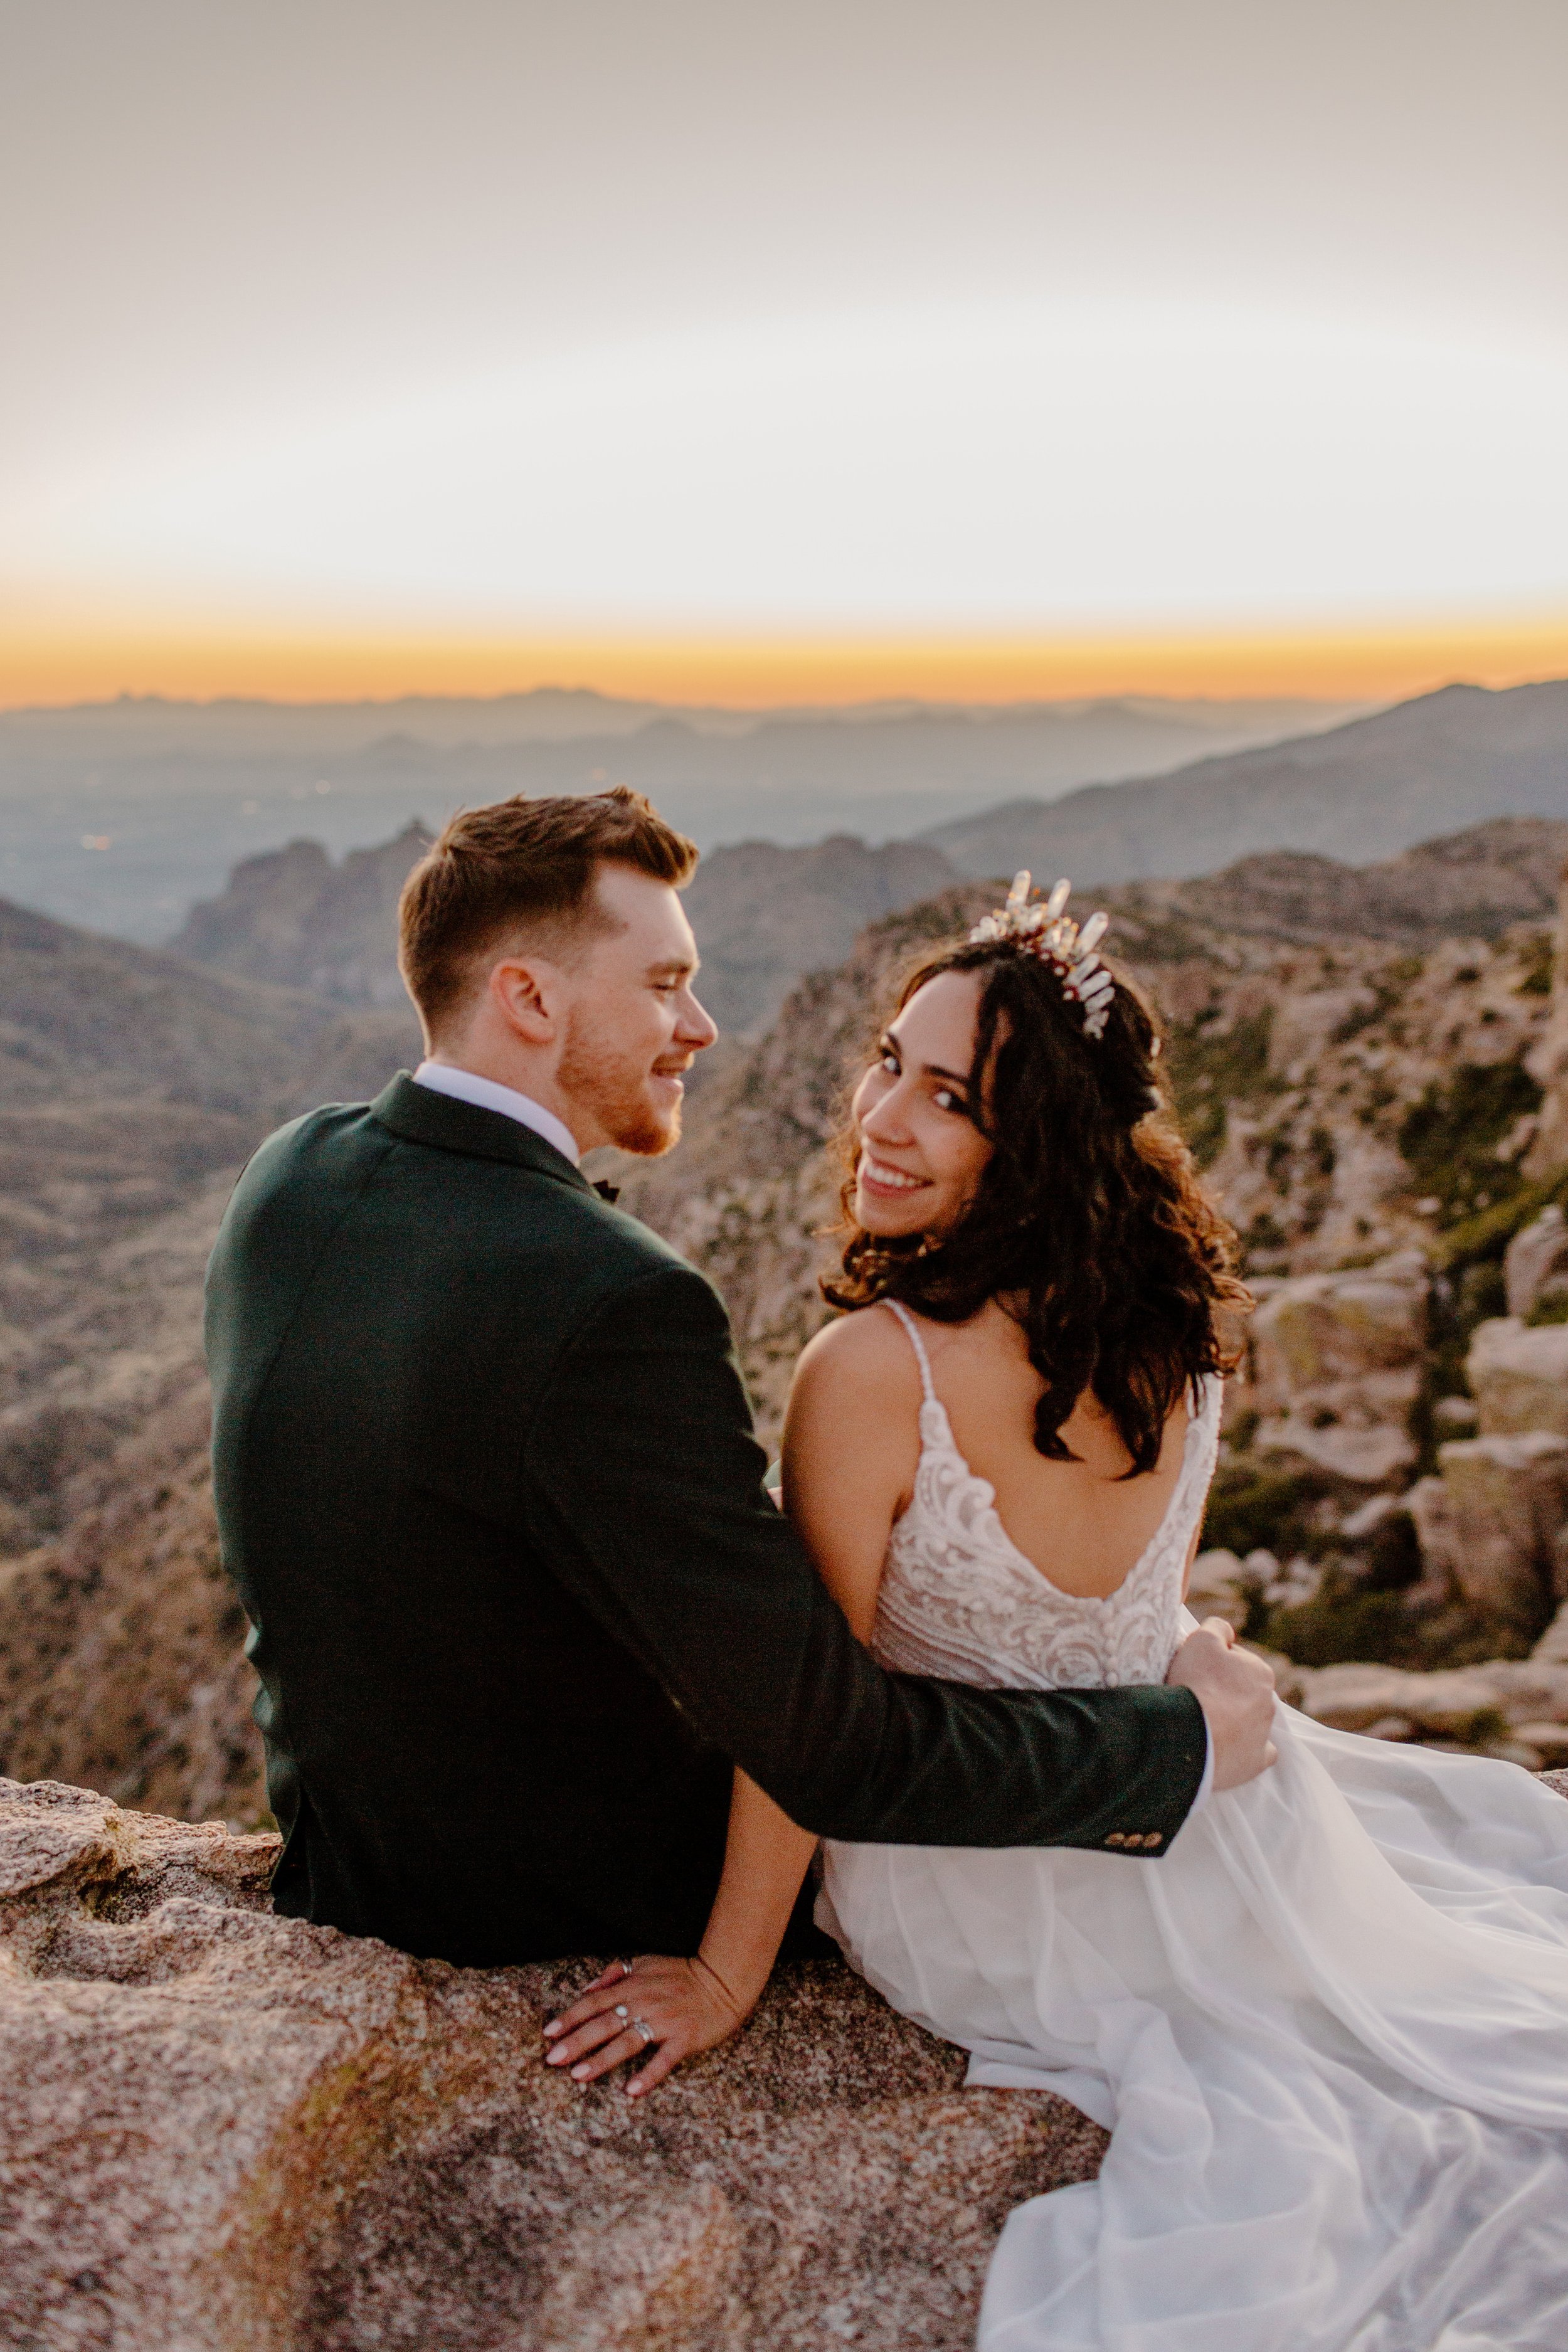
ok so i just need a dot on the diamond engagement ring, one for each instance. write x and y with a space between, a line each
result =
622 2012
646 2031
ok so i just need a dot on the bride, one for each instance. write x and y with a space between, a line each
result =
1327 2030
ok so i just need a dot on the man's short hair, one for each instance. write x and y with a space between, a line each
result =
521 867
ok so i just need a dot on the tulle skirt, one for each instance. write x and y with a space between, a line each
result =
1328 2031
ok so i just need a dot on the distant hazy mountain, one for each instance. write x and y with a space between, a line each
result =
118 816
763 915
147 724
1357 794
293 917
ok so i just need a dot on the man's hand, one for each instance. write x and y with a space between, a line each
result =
1236 1691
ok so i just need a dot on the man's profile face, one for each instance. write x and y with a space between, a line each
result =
632 1025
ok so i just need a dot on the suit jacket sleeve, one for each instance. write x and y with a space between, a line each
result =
642 1486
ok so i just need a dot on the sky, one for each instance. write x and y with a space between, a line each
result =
994 347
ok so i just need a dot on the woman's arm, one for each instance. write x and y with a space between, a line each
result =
851 1444
690 2005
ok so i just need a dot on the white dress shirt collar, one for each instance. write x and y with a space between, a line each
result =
467 1085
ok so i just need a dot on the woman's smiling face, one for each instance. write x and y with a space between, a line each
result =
922 1155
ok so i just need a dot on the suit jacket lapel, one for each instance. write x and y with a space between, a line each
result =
419 1114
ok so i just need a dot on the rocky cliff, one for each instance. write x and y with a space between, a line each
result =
762 914
226 2132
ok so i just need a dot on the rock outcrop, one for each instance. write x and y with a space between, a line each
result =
1549 1059
1336 1365
1514 1709
1535 1266
1494 1524
1519 1376
227 2132
763 914
292 917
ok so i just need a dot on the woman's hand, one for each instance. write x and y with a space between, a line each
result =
684 2006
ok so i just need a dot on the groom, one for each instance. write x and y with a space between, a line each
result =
488 1487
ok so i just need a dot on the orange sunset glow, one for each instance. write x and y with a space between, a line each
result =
1370 664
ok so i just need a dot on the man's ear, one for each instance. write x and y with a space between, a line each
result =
530 995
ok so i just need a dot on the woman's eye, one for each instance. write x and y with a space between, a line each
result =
945 1099
889 1062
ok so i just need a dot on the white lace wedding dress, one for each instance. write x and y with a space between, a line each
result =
1327 2030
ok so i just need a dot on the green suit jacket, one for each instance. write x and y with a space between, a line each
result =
488 1491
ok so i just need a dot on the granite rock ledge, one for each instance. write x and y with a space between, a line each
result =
222 2129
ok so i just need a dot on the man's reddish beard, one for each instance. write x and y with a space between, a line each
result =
613 1085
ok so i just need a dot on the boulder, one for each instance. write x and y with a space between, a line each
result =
1356 1697
1552 1647
1324 1329
1547 1741
1506 1501
1221 1585
1461 1706
227 2132
1361 1452
1465 1703
1535 1264
1528 1689
1335 1367
1519 1377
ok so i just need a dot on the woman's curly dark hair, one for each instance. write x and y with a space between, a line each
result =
1089 1225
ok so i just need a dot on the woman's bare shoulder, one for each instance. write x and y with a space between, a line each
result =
851 1439
868 1348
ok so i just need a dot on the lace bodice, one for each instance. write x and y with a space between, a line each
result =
959 1600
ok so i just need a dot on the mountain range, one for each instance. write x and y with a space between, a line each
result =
1357 792
763 914
232 725
118 816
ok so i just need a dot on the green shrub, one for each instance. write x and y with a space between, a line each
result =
1345 1622
1449 1137
1387 987
1537 980
1208 1073
1265 1232
1252 1508
1486 1235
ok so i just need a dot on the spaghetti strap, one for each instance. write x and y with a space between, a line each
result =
916 1342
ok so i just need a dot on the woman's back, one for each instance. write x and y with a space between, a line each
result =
957 1597
1083 1524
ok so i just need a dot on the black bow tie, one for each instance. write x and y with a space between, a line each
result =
611 1192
